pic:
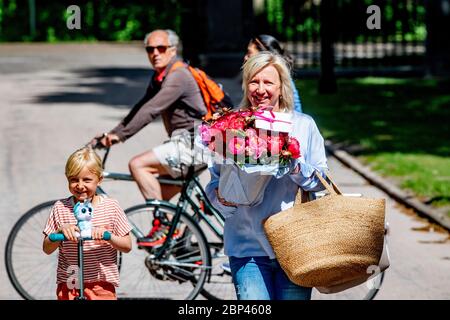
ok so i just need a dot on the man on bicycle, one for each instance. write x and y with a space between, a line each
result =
175 96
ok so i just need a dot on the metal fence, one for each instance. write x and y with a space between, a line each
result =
400 41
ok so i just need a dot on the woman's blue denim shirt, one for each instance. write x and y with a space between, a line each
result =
244 234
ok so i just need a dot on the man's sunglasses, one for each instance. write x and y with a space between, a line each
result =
161 49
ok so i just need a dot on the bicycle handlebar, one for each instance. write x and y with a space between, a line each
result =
60 237
98 145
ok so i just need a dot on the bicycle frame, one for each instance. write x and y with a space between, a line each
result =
189 185
192 184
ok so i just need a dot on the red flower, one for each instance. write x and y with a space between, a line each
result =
221 124
237 123
294 147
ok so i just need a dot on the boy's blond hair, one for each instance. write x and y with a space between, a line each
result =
84 157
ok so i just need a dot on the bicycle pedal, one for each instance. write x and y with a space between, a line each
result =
150 242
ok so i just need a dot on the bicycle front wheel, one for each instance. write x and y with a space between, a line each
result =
31 272
185 265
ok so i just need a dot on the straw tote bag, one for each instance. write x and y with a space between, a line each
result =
328 242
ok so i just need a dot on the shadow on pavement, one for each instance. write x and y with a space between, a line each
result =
112 87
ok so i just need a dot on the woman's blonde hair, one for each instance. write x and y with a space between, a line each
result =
260 61
84 157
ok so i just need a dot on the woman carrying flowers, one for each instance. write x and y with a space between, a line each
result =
267 86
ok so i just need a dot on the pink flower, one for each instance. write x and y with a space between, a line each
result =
250 132
212 146
257 147
275 144
205 133
294 147
236 145
234 133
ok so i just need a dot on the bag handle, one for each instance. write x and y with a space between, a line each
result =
302 196
333 188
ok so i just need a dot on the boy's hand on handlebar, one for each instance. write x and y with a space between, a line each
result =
97 233
70 231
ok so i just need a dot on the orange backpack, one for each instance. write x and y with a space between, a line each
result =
213 96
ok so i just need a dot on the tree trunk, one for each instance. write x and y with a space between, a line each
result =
327 81
437 44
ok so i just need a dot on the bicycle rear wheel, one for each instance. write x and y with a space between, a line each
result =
183 270
31 272
219 284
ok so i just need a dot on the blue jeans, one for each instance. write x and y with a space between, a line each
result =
261 278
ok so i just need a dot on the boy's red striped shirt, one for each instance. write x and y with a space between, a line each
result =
100 258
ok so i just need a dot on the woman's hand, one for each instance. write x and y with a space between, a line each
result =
296 169
223 201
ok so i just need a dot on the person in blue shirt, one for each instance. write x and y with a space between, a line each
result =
265 42
255 271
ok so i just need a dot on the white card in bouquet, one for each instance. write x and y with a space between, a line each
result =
274 121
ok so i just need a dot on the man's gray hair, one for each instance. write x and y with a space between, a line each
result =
172 35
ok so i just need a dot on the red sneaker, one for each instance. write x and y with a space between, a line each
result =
157 235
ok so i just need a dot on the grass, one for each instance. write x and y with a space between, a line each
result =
400 127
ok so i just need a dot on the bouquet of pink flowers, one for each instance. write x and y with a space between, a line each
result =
252 146
235 135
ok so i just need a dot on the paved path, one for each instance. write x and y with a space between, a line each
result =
55 97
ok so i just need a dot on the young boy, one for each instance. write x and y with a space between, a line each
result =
101 275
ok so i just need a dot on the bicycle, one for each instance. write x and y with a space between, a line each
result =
185 258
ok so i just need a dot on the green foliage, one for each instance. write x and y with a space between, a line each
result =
111 20
1 15
51 35
131 28
300 19
130 20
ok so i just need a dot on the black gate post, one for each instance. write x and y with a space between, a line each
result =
327 81
193 31
437 44
215 34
